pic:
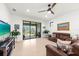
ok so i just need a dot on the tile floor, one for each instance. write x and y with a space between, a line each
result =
31 47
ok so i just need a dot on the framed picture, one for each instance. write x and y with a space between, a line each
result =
63 26
16 26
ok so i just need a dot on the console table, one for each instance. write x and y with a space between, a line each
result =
7 47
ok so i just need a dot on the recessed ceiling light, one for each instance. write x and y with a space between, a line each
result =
45 15
27 10
14 9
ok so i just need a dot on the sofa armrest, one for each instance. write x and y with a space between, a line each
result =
53 51
75 49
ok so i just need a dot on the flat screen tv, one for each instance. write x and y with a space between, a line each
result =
4 28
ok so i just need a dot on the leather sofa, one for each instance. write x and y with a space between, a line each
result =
62 36
54 39
75 46
54 51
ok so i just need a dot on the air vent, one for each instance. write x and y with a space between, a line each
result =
14 9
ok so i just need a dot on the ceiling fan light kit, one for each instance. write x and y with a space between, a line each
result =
49 10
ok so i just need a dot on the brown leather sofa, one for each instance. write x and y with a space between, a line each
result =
75 46
54 39
76 50
54 51
62 36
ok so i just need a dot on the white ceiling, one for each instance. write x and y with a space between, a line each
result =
59 9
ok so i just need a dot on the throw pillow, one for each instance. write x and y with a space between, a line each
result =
63 45
74 37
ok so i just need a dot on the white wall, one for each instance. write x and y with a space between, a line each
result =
4 16
19 20
72 17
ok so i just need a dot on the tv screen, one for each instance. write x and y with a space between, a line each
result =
4 28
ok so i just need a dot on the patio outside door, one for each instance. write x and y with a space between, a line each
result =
33 31
30 30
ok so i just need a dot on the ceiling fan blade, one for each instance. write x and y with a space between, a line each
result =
52 12
53 5
42 11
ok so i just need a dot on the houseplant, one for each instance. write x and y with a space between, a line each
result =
15 33
46 33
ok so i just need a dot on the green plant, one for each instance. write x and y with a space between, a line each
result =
15 33
46 31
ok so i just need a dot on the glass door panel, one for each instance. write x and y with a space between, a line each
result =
33 31
26 31
38 30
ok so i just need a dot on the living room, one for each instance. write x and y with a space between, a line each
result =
63 23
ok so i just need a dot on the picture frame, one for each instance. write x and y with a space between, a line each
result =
63 26
16 26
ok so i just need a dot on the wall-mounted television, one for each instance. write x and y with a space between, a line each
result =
4 28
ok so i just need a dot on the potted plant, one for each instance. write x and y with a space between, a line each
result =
15 33
46 33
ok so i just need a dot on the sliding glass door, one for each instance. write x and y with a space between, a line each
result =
26 33
26 30
31 30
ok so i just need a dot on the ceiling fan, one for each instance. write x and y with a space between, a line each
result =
50 7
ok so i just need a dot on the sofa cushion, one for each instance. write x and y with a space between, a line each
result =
54 39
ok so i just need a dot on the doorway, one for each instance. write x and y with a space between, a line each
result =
31 30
